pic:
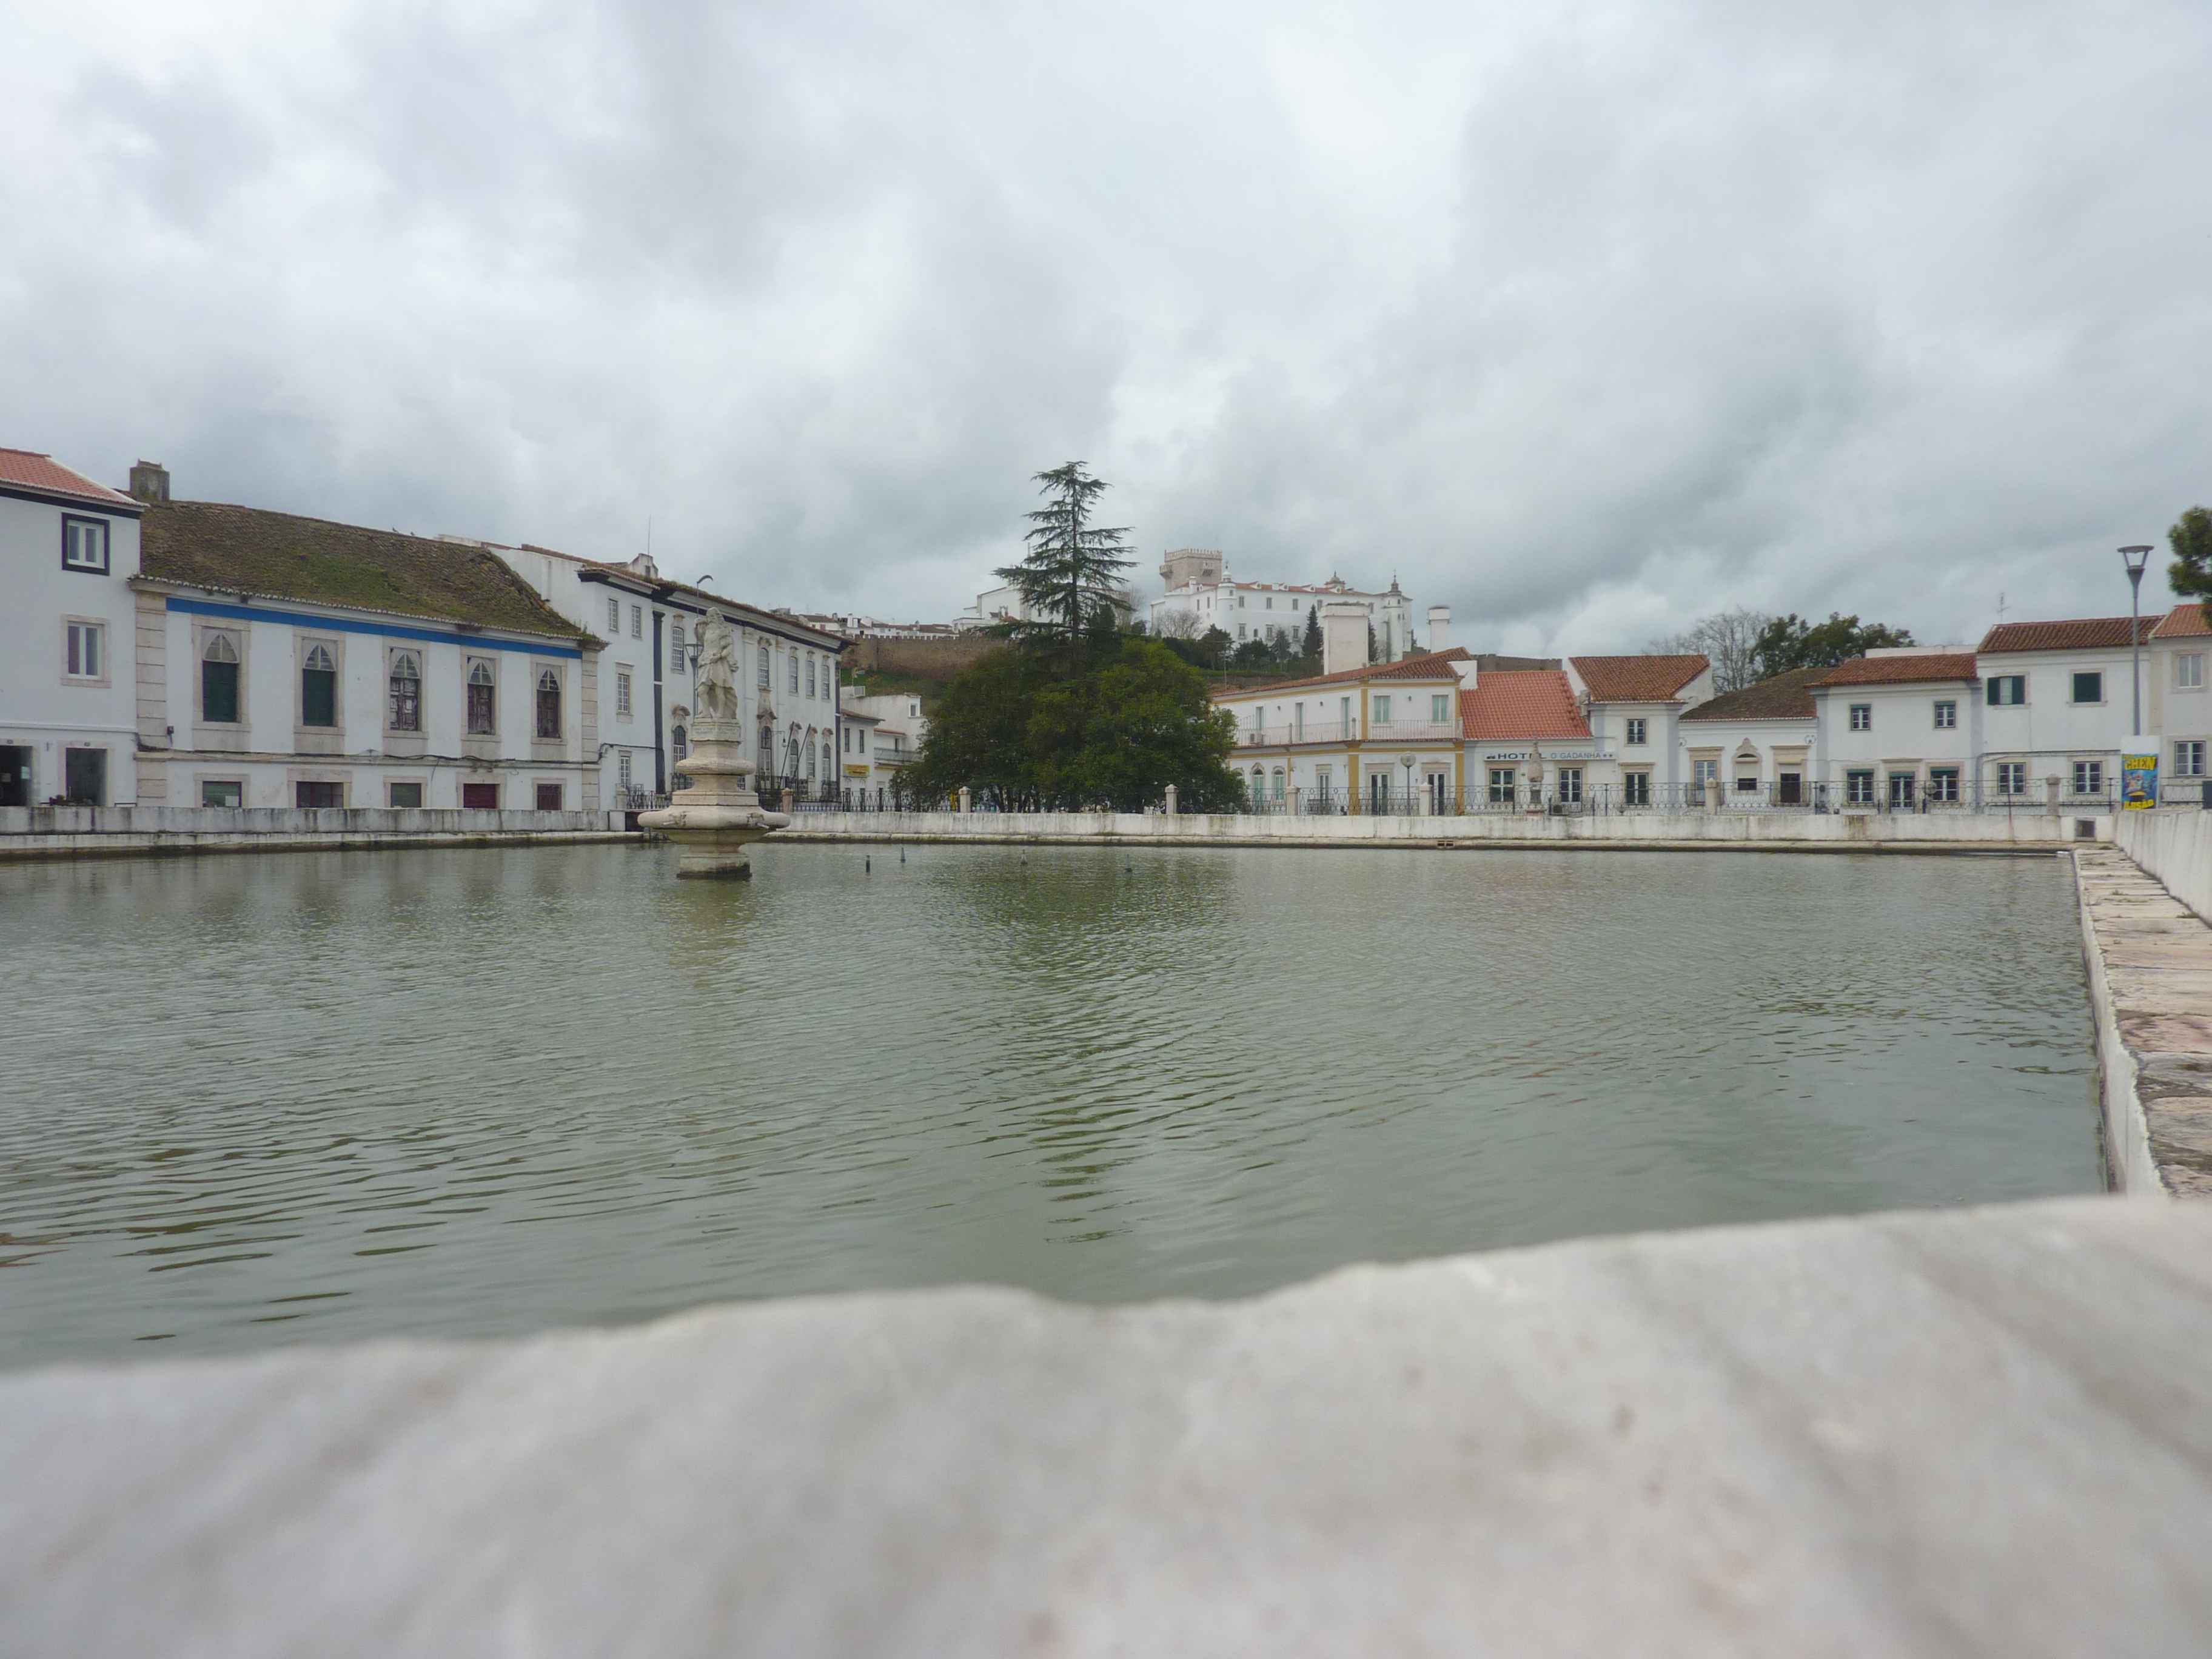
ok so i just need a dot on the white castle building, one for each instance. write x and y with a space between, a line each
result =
1202 594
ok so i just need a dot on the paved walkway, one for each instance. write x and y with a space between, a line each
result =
2155 959
1958 1433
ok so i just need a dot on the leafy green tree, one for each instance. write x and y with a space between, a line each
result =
1252 655
1120 736
2190 572
1071 577
1311 645
1789 642
979 734
1214 646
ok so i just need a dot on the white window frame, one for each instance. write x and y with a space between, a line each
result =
79 531
2018 682
1638 731
637 622
94 630
206 784
614 615
2012 777
1861 717
1858 787
2088 777
1947 714
622 694
2188 671
2189 758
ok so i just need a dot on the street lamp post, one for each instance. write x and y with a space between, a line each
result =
2135 558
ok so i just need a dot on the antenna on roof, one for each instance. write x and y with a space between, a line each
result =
2001 607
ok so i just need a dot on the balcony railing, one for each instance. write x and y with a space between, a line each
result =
1338 730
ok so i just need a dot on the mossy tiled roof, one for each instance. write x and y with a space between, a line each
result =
249 550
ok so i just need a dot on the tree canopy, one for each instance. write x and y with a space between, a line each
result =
1070 576
1075 711
1790 641
2190 572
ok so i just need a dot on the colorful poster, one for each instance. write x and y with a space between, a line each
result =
2139 774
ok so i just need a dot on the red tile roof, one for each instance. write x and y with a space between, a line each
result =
1428 666
1528 703
27 468
2183 621
1907 670
1638 679
2078 634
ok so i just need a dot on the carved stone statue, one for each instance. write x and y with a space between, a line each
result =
718 672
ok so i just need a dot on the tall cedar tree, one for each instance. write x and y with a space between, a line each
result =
2190 572
1071 577
1790 641
1311 646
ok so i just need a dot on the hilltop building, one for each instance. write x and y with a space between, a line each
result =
1202 594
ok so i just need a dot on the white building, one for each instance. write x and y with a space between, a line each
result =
286 661
1898 727
2057 702
652 627
1634 706
884 732
1760 739
1202 595
69 717
2176 675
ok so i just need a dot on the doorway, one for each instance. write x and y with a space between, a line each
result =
84 777
15 774
1789 789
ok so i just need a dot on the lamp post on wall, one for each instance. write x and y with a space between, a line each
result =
2135 558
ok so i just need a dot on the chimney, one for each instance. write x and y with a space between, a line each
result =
1439 627
150 483
1343 636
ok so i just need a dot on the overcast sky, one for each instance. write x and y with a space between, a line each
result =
1584 319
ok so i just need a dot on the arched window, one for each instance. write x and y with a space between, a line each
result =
828 765
1279 783
548 705
768 752
679 744
794 656
809 762
763 668
406 692
319 687
482 722
1259 785
219 680
676 645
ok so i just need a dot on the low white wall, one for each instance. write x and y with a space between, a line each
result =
290 821
1776 830
2173 844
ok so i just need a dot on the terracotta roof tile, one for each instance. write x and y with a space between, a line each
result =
27 468
1428 666
1785 697
1907 670
280 556
1523 703
2078 634
2184 622
1638 679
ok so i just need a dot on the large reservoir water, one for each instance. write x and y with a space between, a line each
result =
308 1098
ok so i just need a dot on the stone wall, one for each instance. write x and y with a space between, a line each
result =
1761 830
2174 843
106 831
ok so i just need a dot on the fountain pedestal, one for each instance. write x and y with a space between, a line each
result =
718 816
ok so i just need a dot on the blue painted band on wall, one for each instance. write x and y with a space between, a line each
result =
347 625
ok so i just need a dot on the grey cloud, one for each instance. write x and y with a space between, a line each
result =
1584 320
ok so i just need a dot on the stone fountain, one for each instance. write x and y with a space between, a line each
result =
718 816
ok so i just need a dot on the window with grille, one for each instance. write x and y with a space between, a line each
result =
548 705
614 615
405 700
481 710
622 694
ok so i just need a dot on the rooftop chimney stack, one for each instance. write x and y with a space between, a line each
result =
1343 636
150 483
1439 627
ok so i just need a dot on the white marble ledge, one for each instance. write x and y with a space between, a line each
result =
1971 1431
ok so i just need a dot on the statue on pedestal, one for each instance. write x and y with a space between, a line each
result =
718 672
